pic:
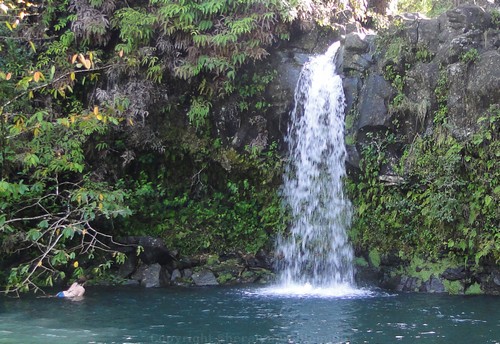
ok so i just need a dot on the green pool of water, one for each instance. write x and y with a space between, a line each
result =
248 315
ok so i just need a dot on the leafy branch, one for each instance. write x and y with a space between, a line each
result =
52 82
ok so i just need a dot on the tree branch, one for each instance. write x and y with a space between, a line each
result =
22 94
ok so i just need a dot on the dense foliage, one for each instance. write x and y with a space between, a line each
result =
107 129
49 197
446 208
424 192
430 8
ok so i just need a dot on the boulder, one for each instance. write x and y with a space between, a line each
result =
355 55
148 275
154 249
187 273
495 277
355 42
374 98
129 266
176 274
138 275
204 278
490 280
467 17
427 30
261 259
164 277
433 285
408 283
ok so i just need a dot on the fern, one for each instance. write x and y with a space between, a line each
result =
199 111
135 26
242 26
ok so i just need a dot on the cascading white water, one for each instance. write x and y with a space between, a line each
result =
316 252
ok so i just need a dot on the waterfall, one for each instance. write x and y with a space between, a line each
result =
316 251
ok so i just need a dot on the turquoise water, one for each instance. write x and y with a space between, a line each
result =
248 315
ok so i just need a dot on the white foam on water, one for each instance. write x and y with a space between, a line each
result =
308 290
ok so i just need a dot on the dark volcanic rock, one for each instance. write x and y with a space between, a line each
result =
454 274
426 55
433 285
154 250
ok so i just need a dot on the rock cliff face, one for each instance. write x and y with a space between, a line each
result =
460 48
405 82
391 80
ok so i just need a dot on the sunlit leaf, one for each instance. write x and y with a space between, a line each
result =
37 76
81 58
32 45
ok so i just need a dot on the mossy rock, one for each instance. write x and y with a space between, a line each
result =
474 289
225 278
425 270
453 287
232 266
213 259
360 261
264 276
374 258
247 274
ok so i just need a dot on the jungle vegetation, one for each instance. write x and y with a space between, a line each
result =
107 130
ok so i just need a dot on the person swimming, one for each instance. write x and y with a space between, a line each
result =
75 290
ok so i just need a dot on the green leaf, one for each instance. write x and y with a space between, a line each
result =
32 46
43 224
31 160
68 232
52 72
59 258
48 281
33 234
487 200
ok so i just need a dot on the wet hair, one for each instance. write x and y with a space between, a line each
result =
81 280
